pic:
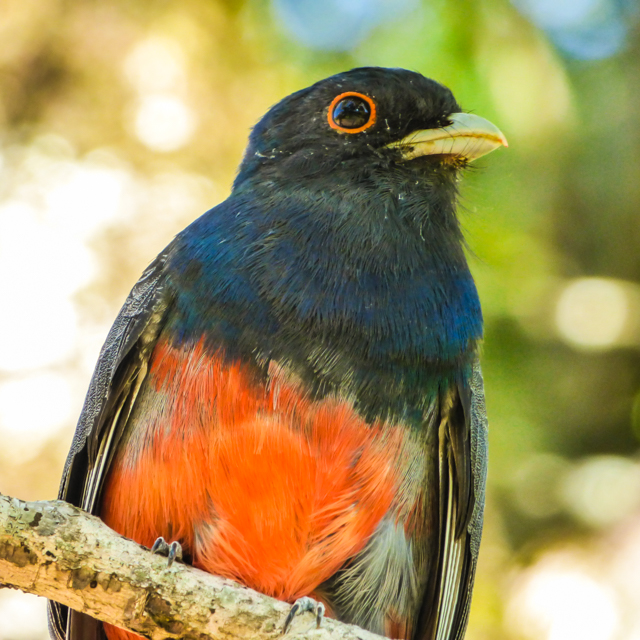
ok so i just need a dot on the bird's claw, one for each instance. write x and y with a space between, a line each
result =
172 551
300 606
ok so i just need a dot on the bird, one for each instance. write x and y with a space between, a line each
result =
291 396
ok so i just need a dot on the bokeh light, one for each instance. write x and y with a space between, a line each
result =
37 330
557 599
603 490
21 616
336 25
598 313
164 122
584 29
156 65
40 401
162 119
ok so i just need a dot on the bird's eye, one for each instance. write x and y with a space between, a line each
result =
352 112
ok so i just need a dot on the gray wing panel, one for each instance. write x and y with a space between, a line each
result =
134 316
122 359
462 441
479 457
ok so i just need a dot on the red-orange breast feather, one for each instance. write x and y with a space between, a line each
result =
259 483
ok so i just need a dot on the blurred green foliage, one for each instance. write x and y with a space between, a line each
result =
561 205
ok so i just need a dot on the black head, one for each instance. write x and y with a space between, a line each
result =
355 116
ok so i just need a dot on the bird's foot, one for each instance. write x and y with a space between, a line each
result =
300 606
172 551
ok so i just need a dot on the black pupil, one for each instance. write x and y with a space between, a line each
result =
352 113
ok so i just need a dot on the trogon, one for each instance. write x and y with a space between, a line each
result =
291 393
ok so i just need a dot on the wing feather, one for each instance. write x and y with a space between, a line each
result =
462 477
118 376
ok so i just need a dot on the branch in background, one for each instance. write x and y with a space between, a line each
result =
58 551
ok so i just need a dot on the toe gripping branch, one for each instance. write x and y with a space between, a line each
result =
172 551
300 606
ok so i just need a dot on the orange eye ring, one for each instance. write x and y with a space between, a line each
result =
348 94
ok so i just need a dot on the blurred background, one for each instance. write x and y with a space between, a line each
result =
121 121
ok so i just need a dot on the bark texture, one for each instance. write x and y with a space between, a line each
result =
57 551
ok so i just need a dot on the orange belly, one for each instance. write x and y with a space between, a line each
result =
257 482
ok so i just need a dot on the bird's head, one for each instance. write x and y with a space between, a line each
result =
365 119
343 220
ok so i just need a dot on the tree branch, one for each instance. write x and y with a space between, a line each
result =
58 551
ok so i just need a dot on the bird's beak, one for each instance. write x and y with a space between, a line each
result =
468 137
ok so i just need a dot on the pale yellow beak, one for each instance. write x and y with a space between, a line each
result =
468 136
